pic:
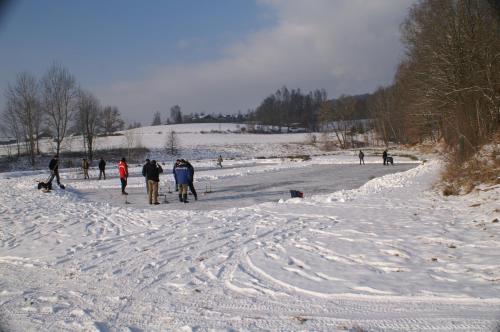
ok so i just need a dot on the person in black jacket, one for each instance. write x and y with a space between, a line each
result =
152 172
361 156
144 173
191 178
102 168
54 171
384 156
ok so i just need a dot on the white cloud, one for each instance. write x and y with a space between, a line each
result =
344 46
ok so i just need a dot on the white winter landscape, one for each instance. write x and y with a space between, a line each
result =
369 248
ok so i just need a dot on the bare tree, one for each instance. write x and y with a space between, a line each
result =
23 108
11 126
134 125
156 119
454 56
88 120
172 142
59 101
111 120
343 111
176 114
133 142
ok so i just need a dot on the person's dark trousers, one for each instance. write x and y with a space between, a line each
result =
124 184
102 173
56 175
193 191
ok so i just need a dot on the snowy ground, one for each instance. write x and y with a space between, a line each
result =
389 255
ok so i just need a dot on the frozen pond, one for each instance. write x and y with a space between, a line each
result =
248 189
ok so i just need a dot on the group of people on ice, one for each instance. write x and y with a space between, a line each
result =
183 173
385 157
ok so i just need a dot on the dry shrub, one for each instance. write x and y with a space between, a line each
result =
327 143
483 167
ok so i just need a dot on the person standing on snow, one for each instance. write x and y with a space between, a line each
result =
102 168
361 156
152 172
384 156
123 170
219 161
54 171
85 167
182 175
191 177
144 174
177 163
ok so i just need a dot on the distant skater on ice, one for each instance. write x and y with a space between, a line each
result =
85 168
102 168
361 157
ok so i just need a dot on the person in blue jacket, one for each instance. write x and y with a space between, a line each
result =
177 162
183 177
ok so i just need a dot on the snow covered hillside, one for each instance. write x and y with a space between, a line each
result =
388 255
197 141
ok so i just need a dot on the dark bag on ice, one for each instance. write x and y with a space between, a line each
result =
44 185
296 193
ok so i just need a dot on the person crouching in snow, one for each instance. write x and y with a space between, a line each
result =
123 169
182 174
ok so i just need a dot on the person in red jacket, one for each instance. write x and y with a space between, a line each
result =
123 169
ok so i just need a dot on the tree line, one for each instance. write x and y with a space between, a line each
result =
176 117
54 106
448 85
314 112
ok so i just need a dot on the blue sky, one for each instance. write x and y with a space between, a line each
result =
207 56
102 41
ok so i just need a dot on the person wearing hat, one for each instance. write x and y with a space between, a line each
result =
123 170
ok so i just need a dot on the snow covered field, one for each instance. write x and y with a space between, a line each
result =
388 255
